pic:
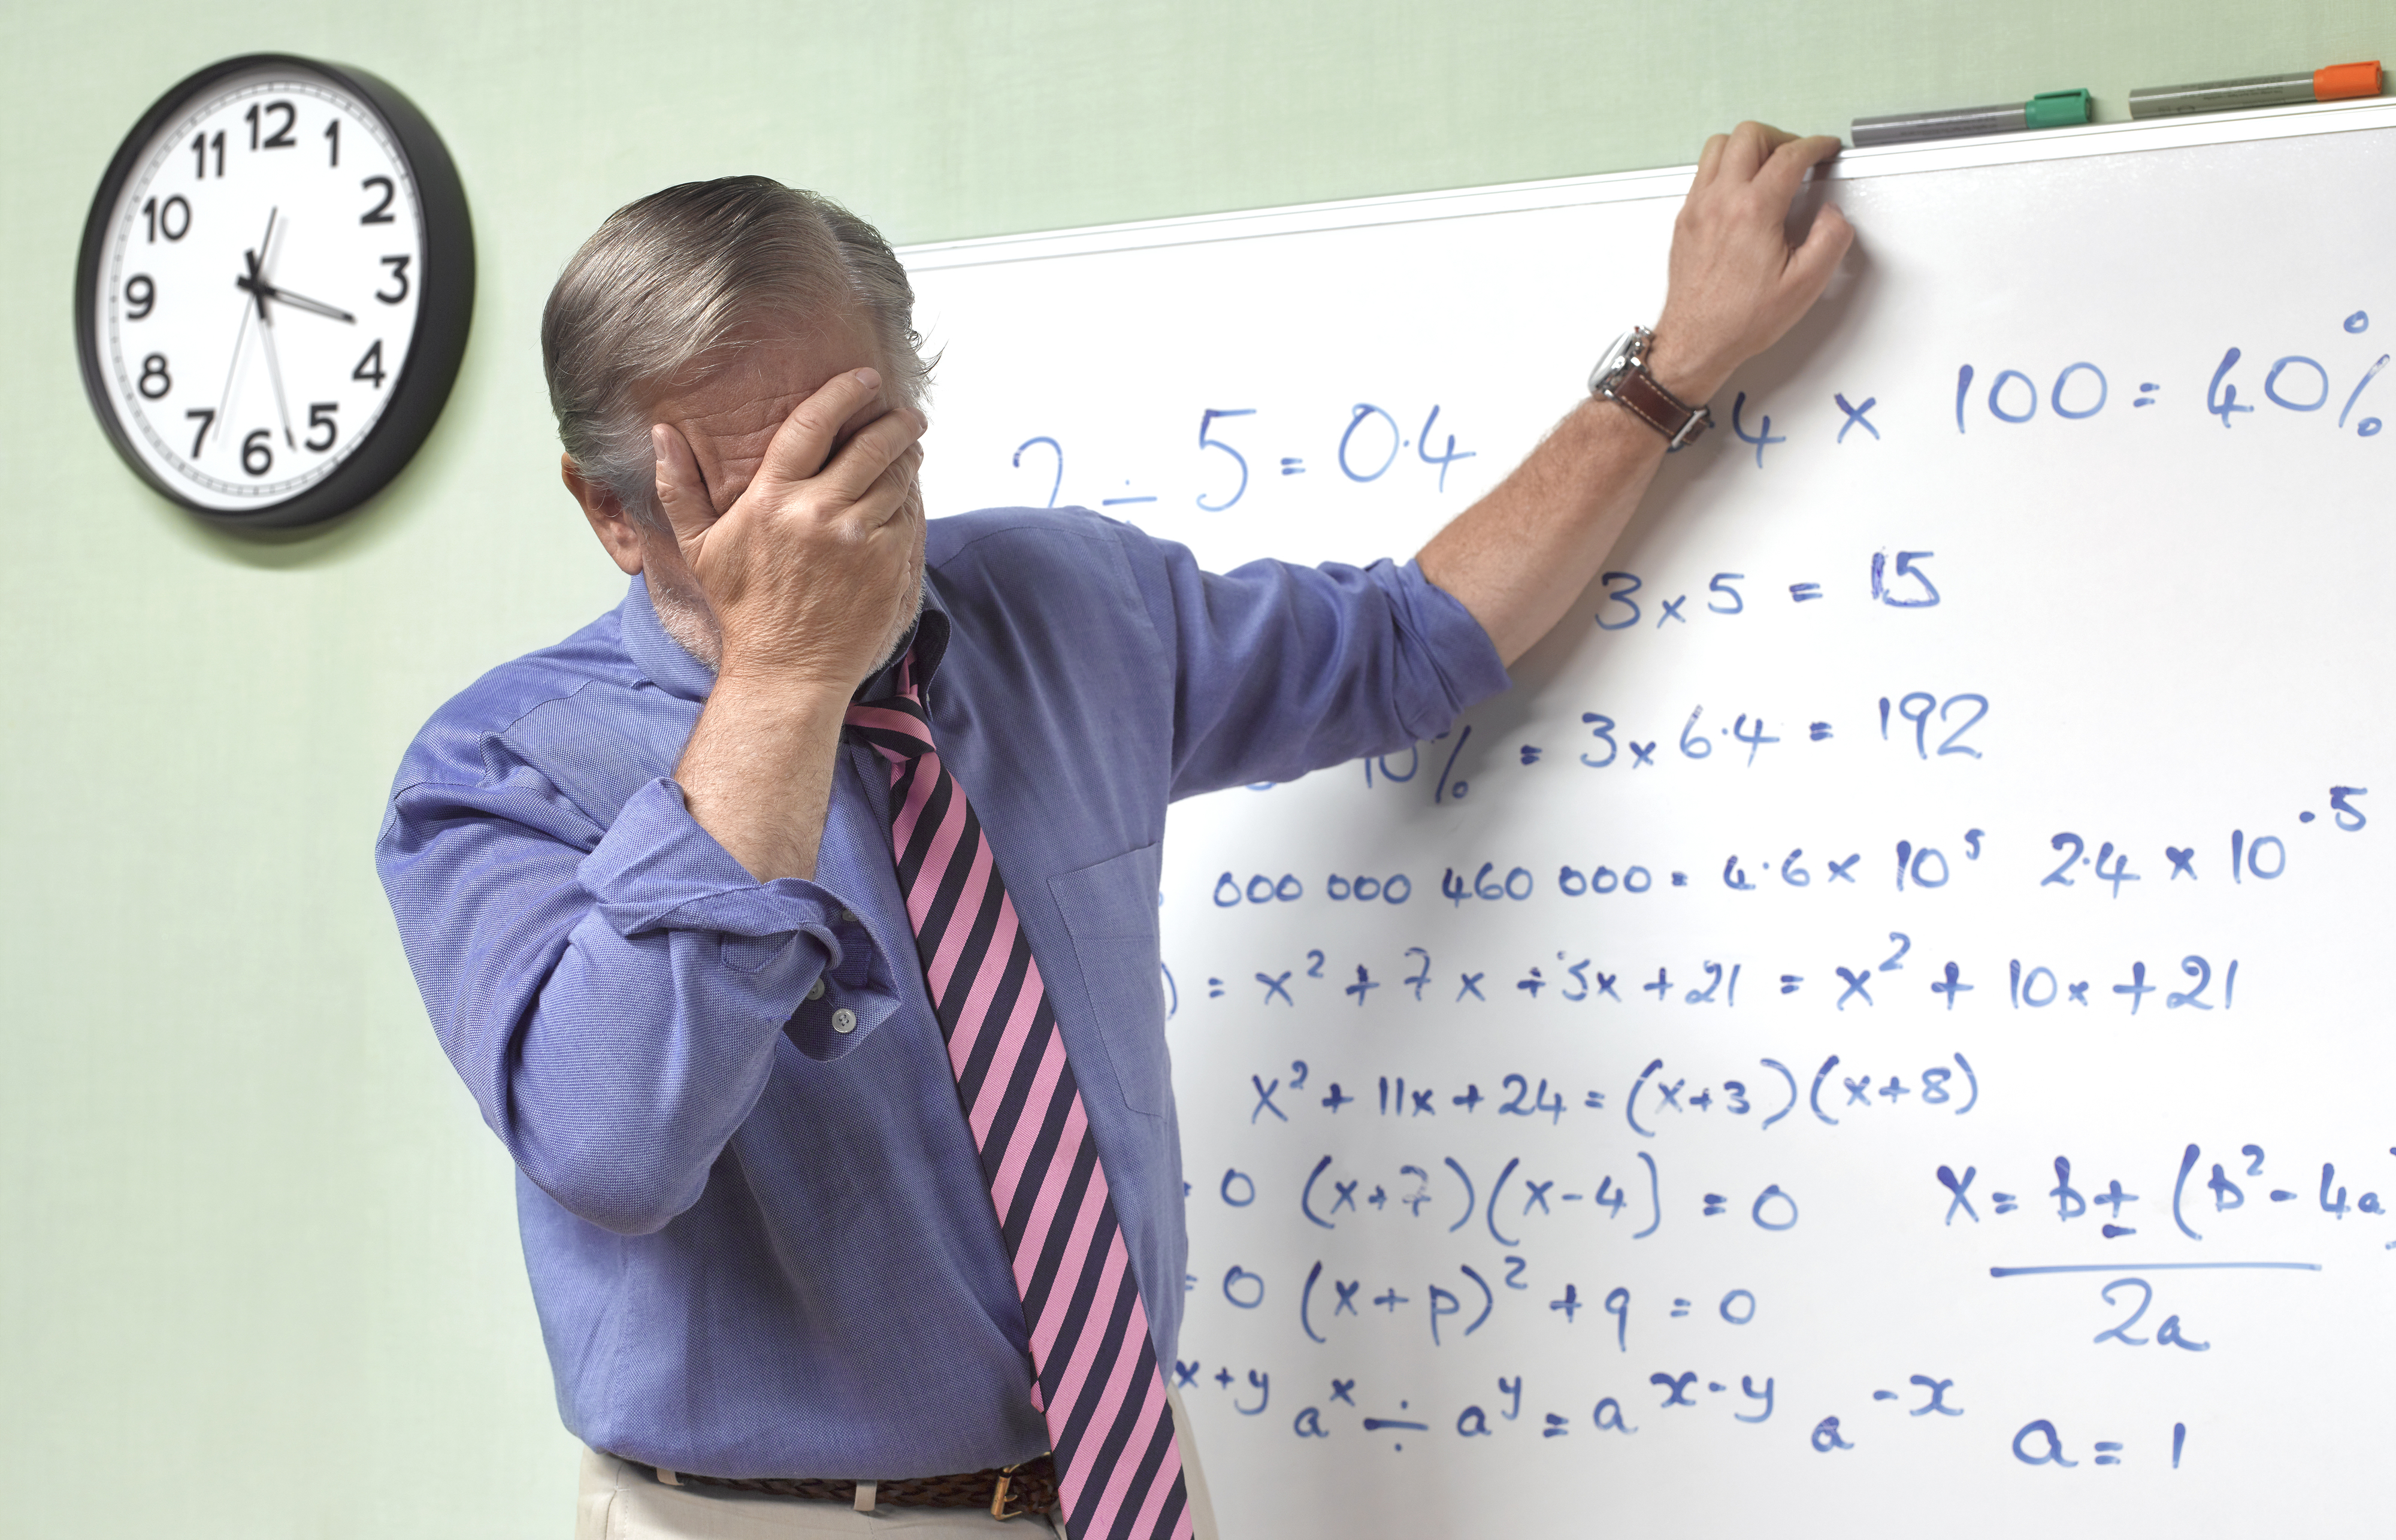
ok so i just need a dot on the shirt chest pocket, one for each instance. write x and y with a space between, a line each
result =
1110 911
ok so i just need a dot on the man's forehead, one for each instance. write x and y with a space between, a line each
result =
730 402
766 368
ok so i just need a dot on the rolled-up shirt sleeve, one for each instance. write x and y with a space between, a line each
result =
613 996
1281 669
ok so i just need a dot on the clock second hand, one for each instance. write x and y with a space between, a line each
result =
274 372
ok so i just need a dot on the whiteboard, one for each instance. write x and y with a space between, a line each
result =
1651 1099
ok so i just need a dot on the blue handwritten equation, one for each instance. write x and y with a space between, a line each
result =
2127 984
1369 445
1883 1413
1366 442
1777 1092
2258 856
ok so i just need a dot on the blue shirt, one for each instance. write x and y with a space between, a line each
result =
761 1245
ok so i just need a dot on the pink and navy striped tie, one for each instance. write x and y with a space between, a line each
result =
1095 1375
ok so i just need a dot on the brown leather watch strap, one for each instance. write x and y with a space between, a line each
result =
1655 406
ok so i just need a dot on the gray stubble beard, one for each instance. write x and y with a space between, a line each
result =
691 623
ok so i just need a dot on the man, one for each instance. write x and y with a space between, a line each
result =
794 924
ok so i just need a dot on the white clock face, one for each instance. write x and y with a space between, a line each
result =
257 294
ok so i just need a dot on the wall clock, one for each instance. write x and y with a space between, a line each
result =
274 288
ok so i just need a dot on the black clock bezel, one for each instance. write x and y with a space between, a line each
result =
443 313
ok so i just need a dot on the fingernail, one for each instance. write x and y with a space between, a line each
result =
868 378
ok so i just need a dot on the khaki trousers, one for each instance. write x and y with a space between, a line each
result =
621 1500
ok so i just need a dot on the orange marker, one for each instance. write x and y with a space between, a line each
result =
2334 83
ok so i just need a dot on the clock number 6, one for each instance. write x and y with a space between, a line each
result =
257 458
398 266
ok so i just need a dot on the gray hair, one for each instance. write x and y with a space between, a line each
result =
668 279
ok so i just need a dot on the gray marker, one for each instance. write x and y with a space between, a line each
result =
2046 109
2334 83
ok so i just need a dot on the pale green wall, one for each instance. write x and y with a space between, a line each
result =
258 1265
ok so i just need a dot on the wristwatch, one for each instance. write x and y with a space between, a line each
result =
1621 375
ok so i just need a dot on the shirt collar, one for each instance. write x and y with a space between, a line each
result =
928 642
662 660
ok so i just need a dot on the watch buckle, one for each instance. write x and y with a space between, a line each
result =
1700 419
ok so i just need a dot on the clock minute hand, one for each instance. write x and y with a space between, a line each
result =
241 333
274 372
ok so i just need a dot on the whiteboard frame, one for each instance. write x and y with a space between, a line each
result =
1895 160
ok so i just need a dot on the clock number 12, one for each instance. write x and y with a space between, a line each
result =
279 139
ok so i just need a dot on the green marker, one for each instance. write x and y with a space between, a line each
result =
2334 83
2046 109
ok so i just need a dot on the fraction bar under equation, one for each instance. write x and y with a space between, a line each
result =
2153 1267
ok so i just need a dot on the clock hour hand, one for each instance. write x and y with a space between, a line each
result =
255 284
251 284
300 301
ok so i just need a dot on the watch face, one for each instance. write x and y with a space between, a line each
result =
255 286
1610 363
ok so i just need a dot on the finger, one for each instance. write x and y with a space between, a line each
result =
1772 138
876 446
1709 161
805 438
1811 264
1785 170
681 490
889 496
1747 148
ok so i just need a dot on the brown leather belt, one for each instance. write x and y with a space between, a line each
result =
1007 1494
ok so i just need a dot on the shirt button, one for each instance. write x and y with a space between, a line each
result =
849 915
815 991
844 1021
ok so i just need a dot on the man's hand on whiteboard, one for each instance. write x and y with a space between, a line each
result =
1737 283
1520 557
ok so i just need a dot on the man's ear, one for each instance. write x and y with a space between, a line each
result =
606 511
